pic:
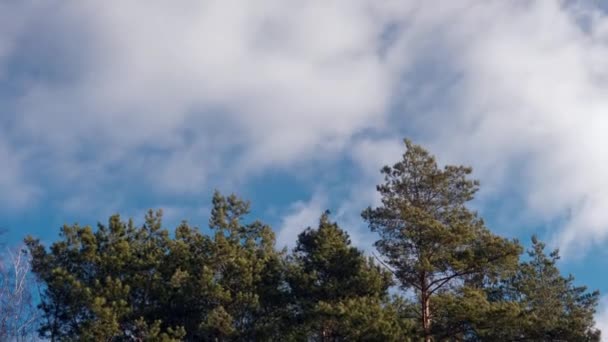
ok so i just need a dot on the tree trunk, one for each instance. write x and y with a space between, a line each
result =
425 309
426 318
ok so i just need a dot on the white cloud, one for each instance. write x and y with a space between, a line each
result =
370 155
528 109
518 90
274 83
175 95
15 192
301 216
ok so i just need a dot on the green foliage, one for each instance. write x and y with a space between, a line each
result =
364 319
550 307
98 284
535 304
428 235
468 314
328 268
122 282
339 294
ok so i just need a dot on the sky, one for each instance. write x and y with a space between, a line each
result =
116 107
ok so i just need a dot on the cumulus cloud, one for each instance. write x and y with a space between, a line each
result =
175 96
264 81
528 108
16 191
368 156
301 215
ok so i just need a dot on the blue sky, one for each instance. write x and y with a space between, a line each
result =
118 107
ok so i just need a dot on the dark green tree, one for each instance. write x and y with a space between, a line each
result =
550 306
123 282
428 236
250 273
366 319
104 285
339 294
469 314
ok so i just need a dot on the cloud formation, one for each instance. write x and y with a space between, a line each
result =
178 85
528 109
175 97
301 215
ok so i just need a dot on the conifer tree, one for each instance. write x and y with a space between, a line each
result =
104 285
550 306
428 236
340 295
123 282
249 271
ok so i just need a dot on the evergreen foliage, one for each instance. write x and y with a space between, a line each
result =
441 275
428 236
339 294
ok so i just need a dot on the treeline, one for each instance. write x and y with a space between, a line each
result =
439 274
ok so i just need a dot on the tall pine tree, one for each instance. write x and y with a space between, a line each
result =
428 235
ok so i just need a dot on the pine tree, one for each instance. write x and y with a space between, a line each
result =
428 236
339 294
551 307
124 282
249 271
104 285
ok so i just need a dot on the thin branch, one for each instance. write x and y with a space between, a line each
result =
390 269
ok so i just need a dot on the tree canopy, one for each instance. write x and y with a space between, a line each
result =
440 275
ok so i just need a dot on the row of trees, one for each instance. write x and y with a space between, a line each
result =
440 275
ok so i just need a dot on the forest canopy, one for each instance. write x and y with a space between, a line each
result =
438 274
